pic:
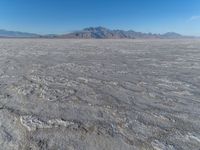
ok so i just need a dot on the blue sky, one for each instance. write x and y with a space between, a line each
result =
61 16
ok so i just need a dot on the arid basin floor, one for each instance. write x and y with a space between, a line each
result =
99 94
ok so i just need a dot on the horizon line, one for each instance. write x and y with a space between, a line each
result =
77 30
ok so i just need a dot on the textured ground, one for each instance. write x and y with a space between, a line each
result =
99 94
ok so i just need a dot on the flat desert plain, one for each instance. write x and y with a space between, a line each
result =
58 94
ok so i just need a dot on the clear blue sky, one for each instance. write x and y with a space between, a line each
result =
61 16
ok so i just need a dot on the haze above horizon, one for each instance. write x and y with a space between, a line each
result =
61 16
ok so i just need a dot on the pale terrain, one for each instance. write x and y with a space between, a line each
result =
60 94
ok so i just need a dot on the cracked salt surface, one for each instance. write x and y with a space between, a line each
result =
99 94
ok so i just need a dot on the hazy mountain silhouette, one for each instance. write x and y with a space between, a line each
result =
96 33
5 33
104 33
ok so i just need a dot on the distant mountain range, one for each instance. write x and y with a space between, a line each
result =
16 34
96 33
104 33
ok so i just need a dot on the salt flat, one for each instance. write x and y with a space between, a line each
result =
99 94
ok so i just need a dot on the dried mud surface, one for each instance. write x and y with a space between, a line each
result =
99 94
